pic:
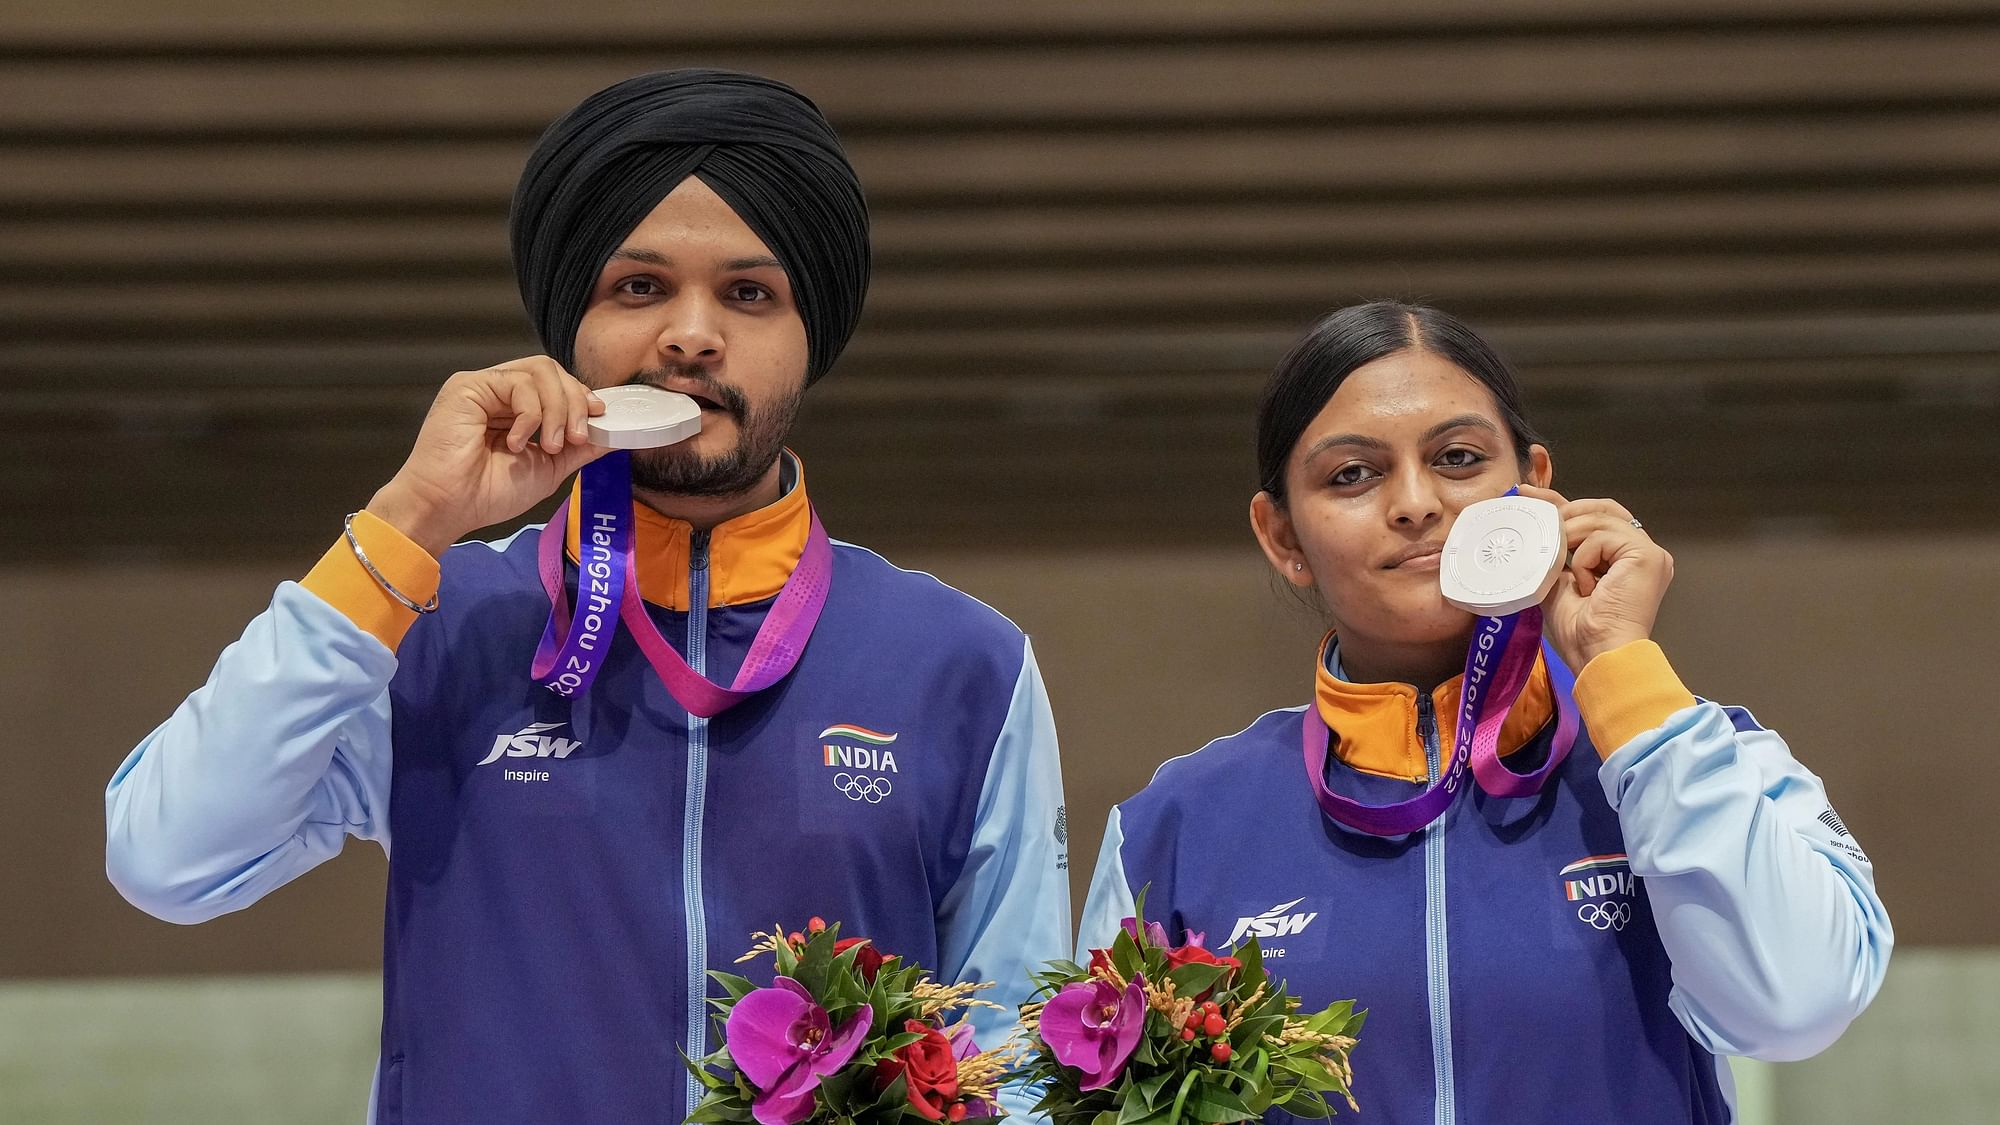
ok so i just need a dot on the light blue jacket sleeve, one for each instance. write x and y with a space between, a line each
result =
1110 900
1765 904
1009 911
260 775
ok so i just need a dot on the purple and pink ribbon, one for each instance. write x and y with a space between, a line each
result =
1498 664
574 645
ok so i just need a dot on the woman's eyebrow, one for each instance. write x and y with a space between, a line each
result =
1364 441
1480 421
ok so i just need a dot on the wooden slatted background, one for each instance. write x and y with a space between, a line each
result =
1745 253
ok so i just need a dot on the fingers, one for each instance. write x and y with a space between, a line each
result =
523 403
1577 525
576 455
1549 494
1577 507
1592 556
580 401
536 396
1611 509
554 399
1598 533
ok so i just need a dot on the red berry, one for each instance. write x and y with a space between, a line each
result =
796 938
1213 1025
1210 1006
1187 1035
957 1111
815 925
1220 1052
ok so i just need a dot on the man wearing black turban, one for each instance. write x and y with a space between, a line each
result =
772 727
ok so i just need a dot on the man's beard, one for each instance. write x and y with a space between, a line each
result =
760 440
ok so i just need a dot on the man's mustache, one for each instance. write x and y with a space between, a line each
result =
706 385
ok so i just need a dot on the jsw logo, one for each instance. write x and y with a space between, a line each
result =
1276 922
531 742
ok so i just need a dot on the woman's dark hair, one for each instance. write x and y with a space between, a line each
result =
1361 334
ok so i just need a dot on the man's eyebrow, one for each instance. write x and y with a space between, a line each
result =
655 258
641 254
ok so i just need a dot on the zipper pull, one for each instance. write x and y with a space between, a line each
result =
698 550
1427 734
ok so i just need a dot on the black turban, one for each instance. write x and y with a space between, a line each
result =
759 144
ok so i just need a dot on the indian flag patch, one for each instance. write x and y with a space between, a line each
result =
855 747
1596 876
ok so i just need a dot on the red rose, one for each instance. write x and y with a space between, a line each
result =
1196 955
868 960
1100 963
1192 954
930 1067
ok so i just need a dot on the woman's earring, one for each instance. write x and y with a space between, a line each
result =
1298 566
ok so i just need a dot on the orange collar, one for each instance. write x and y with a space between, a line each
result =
1376 724
749 557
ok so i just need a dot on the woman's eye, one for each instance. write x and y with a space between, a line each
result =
1459 458
1351 474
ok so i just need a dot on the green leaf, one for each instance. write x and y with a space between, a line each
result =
1125 955
737 987
1180 1099
1193 980
1304 1070
1253 1029
896 1093
1308 1104
1133 1108
1257 1076
708 1080
1252 956
1216 1104
714 1111
1152 1090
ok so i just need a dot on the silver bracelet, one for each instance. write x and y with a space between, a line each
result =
347 527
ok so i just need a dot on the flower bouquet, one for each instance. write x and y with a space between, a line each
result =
1157 1034
844 1034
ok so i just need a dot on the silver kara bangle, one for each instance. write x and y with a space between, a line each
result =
347 527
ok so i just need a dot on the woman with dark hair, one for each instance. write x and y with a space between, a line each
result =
1626 884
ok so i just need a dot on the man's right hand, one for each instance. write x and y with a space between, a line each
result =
478 460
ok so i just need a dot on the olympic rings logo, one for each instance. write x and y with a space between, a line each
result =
858 788
1605 916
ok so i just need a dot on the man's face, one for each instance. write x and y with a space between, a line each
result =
693 301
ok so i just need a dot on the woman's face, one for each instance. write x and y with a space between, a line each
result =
1373 486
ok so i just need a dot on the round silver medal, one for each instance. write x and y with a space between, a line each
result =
638 417
1502 556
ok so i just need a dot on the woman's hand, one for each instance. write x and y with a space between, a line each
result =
1610 593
